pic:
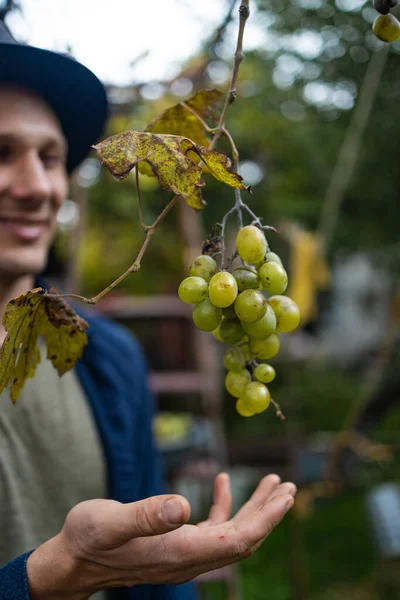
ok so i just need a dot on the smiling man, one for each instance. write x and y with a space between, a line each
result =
82 509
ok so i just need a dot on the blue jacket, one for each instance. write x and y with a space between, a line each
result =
113 372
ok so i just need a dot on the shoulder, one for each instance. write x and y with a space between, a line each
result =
110 339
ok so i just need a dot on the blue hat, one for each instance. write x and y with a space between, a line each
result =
75 94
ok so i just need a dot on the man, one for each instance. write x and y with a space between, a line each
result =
81 503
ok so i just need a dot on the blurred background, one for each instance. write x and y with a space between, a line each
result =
317 126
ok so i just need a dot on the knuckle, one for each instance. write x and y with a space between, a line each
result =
144 520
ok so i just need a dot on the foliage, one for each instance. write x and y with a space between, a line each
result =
29 316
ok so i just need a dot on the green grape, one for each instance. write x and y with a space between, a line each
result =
264 373
217 334
250 306
242 410
266 349
287 313
273 278
193 290
203 266
246 279
262 328
272 257
234 359
222 289
386 28
206 316
246 350
229 311
256 397
236 381
251 244
231 331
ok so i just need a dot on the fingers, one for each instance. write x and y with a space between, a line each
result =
222 501
265 488
106 524
256 527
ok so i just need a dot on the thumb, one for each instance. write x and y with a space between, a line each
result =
155 515
106 524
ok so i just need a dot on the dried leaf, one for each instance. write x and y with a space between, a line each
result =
196 201
167 156
26 318
220 166
207 103
178 120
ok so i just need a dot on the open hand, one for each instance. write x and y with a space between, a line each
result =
106 544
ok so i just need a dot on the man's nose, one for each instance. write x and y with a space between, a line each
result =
31 181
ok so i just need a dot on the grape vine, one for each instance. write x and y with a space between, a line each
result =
239 298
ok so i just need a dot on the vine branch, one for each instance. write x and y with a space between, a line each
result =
244 13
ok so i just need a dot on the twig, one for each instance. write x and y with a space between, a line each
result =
136 265
279 412
244 12
142 223
220 130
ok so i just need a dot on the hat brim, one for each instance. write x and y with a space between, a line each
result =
75 94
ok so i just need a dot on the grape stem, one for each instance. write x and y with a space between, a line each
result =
279 412
150 229
139 199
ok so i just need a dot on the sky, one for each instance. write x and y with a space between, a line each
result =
107 36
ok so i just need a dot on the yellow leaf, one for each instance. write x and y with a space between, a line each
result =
207 104
220 167
29 316
167 156
196 201
178 120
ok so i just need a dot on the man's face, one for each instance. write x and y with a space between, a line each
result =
33 181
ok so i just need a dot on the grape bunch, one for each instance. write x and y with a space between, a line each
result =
386 27
234 306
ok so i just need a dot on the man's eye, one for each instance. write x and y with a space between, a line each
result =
5 153
50 160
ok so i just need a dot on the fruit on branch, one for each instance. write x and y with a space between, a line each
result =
236 382
246 279
266 349
234 359
193 290
381 6
203 266
273 278
244 308
386 28
242 410
287 313
264 373
251 244
231 331
264 327
206 316
250 306
223 289
256 397
271 256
